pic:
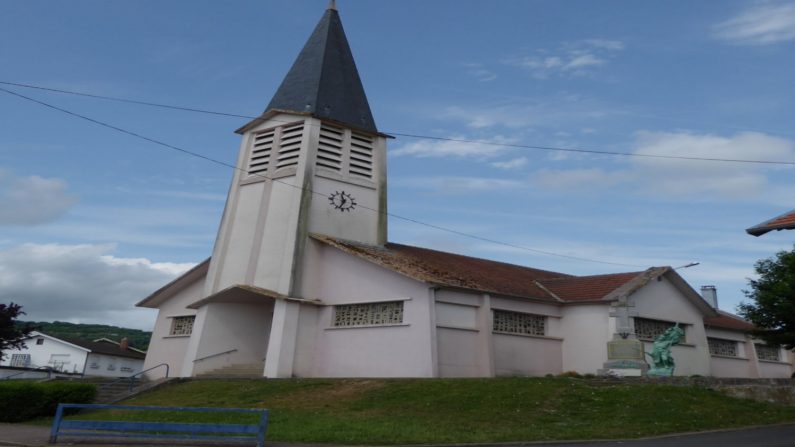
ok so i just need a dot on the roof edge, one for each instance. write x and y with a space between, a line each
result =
177 284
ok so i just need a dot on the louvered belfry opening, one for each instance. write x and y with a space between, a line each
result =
290 145
361 162
329 149
346 152
274 149
261 152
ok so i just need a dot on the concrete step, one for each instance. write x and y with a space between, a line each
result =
235 371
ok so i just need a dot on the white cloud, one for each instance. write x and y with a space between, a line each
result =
448 148
479 72
458 185
569 59
607 44
515 163
763 24
727 180
558 111
573 179
32 200
81 283
686 178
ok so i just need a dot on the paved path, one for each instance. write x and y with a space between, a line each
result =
773 436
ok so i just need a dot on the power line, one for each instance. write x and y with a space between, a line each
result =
221 163
424 137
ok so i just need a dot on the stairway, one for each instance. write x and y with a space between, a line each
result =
111 390
239 371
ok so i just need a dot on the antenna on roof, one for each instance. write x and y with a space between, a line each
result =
332 4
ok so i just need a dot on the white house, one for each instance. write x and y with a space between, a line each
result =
100 357
303 283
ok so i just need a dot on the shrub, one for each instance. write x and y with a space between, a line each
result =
572 374
20 401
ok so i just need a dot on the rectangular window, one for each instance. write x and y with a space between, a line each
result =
519 323
126 369
20 360
765 352
648 329
94 365
59 362
368 314
39 341
725 348
182 325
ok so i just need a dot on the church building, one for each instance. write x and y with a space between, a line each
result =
303 282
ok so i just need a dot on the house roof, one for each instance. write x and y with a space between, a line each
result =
167 291
785 221
587 288
106 347
458 271
725 320
324 81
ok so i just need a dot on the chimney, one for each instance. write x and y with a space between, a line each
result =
124 344
710 295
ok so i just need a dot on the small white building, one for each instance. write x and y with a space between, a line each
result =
100 357
303 282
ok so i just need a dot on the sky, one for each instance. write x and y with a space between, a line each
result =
93 220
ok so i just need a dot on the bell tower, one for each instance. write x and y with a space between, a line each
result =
313 162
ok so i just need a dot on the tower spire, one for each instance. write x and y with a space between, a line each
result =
323 81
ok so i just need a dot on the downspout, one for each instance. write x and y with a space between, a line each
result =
83 373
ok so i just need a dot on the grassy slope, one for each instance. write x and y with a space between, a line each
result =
463 410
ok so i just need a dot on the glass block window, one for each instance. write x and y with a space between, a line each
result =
20 360
765 352
648 329
725 348
94 365
368 314
182 325
519 323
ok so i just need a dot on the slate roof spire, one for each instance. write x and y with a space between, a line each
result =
323 80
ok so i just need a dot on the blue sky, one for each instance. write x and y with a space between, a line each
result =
92 220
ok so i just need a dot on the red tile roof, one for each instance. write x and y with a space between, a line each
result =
729 321
587 288
452 270
785 221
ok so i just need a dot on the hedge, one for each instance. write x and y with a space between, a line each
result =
20 401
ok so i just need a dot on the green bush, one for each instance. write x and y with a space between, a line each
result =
20 401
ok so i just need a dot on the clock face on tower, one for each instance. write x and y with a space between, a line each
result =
342 201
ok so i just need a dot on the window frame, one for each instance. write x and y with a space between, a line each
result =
176 320
540 320
669 324
368 317
769 348
714 353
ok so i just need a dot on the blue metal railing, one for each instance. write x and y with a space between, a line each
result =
162 430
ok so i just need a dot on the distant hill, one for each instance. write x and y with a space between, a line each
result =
137 338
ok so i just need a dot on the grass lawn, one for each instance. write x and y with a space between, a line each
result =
361 411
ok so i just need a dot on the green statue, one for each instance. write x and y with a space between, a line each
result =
661 352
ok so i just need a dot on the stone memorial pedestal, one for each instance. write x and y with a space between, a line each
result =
625 357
